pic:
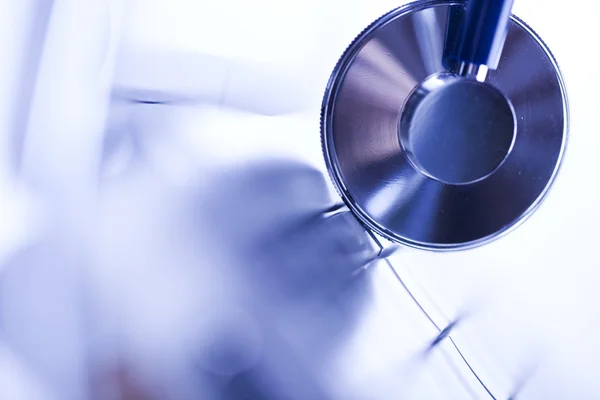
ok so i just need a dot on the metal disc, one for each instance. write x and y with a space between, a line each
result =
433 161
456 130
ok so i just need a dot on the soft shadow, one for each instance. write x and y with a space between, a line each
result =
299 266
245 286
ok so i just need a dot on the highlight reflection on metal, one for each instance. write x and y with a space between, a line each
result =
456 130
436 161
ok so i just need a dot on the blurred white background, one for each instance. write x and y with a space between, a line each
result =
114 250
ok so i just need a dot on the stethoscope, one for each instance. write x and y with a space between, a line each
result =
443 125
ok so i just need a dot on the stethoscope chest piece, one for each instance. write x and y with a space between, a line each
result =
440 157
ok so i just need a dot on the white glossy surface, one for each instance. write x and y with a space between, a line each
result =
530 300
531 295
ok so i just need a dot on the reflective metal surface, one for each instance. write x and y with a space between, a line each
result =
456 130
444 171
